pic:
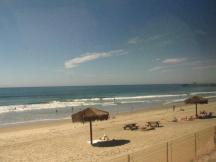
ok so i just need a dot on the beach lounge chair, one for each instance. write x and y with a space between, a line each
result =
131 126
203 112
210 114
205 115
153 123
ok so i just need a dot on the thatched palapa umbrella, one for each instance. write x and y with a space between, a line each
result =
89 115
196 100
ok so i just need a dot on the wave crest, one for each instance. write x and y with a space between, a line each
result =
90 102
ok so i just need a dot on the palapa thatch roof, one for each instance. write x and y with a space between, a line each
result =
196 100
90 114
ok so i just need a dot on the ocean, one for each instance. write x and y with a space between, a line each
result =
21 105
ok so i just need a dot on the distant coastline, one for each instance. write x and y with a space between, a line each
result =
101 85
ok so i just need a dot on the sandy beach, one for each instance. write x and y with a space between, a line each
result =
107 81
64 141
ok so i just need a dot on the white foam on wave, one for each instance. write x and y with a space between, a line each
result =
113 99
145 97
191 94
87 99
197 93
54 105
211 96
107 101
49 105
175 101
130 102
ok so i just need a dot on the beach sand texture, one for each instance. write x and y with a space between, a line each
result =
63 141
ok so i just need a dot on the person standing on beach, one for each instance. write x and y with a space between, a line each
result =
173 108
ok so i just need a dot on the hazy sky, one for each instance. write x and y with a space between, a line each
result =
82 42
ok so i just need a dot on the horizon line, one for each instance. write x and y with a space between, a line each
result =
191 83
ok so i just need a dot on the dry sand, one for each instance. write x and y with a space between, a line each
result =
211 157
63 141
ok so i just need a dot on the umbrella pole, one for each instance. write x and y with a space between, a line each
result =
91 132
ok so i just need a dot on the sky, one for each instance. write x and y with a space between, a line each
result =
107 42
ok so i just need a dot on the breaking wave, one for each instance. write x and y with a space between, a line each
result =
105 101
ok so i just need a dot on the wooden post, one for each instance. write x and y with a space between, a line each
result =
215 136
128 157
91 132
167 151
195 145
171 153
196 110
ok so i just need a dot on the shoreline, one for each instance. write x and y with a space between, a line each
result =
53 122
44 122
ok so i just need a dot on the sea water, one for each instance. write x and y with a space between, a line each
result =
20 105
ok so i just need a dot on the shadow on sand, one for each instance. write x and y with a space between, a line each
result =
111 143
160 126
212 117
